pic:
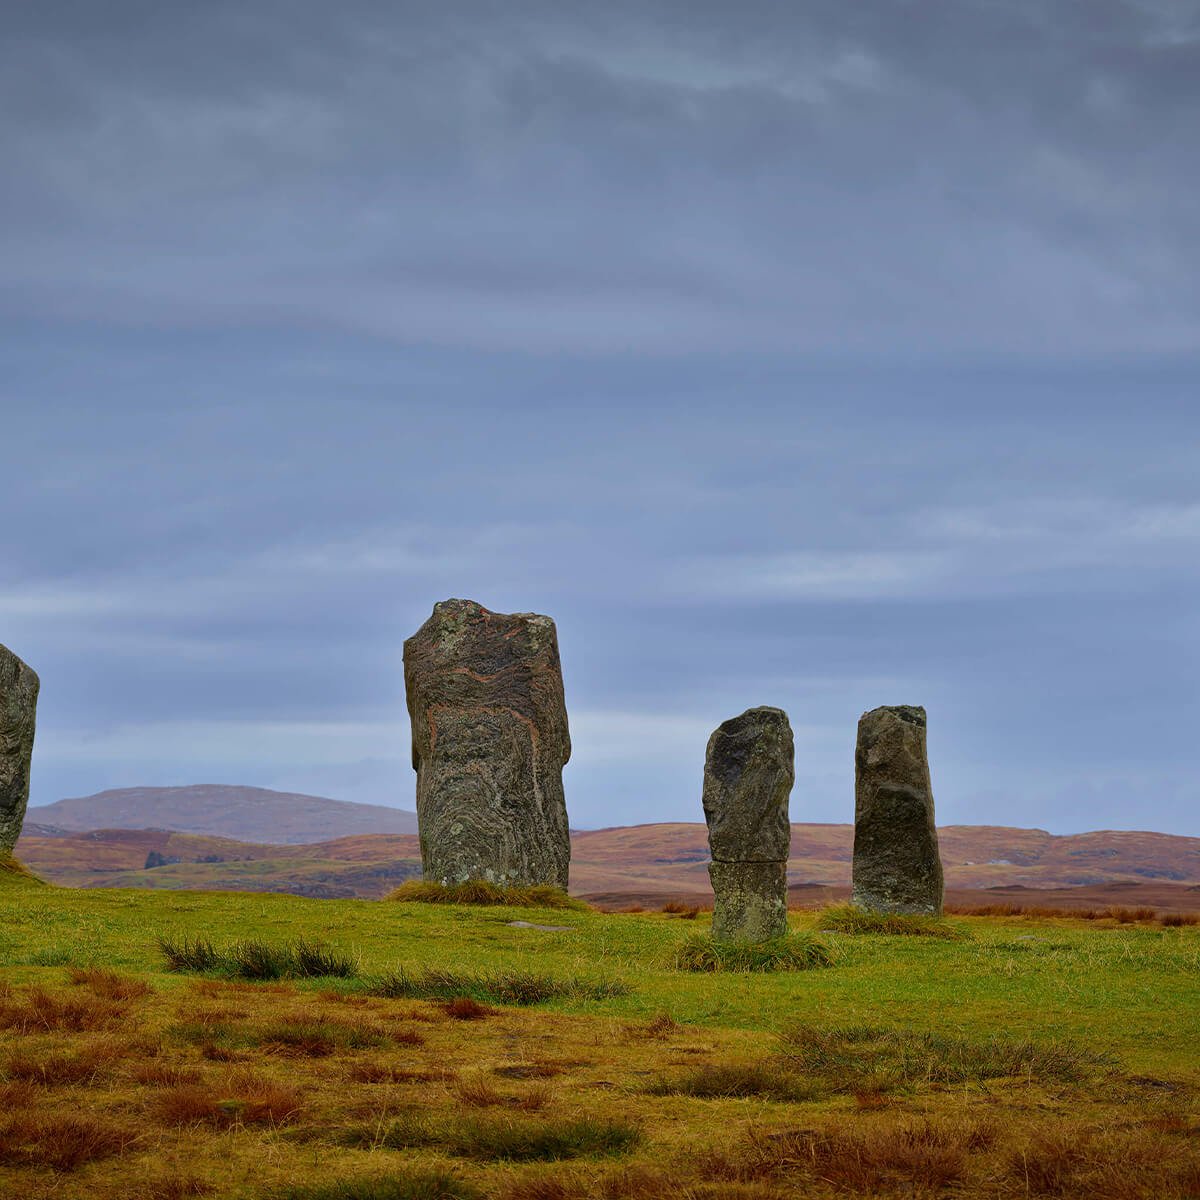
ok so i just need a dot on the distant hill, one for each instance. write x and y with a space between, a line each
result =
641 864
246 814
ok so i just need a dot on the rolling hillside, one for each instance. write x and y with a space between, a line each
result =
246 814
638 864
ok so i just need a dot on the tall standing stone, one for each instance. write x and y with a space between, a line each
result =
489 741
18 711
748 775
896 864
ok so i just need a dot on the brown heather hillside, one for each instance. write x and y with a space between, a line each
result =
646 864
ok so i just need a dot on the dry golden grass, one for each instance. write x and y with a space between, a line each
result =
260 1091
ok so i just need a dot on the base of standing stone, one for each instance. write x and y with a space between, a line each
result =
881 902
751 901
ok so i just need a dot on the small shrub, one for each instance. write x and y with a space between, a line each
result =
499 987
844 918
1128 916
479 891
796 952
499 1139
413 1185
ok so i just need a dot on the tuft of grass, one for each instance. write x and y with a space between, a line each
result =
920 1157
412 1185
108 984
257 961
796 952
480 891
845 918
249 1100
50 1070
63 1141
862 1058
1175 920
318 1037
37 1010
737 1080
189 954
497 987
499 1139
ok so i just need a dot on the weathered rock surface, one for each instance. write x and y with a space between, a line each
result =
748 775
896 864
750 901
489 741
18 711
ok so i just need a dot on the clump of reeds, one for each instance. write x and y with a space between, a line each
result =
256 960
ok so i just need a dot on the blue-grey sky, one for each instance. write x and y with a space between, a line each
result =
823 355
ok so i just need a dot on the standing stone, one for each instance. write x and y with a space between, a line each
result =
748 775
489 741
18 710
896 863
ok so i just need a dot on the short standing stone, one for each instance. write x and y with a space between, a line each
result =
896 864
18 710
489 741
748 775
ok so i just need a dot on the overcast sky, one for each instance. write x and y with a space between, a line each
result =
819 355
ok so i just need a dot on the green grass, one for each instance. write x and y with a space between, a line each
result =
797 952
496 987
844 918
479 891
1126 989
253 959
499 1139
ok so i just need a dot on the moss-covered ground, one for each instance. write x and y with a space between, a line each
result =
1028 1057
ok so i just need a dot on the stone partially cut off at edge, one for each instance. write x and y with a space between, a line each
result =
18 714
750 902
489 740
897 867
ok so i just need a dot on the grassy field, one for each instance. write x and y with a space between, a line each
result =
1042 1057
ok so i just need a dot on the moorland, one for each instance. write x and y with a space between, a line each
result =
169 1043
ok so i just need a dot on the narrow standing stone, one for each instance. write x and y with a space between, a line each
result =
748 775
896 864
489 741
18 712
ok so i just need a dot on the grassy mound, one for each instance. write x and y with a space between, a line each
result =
796 952
479 891
845 918
12 866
